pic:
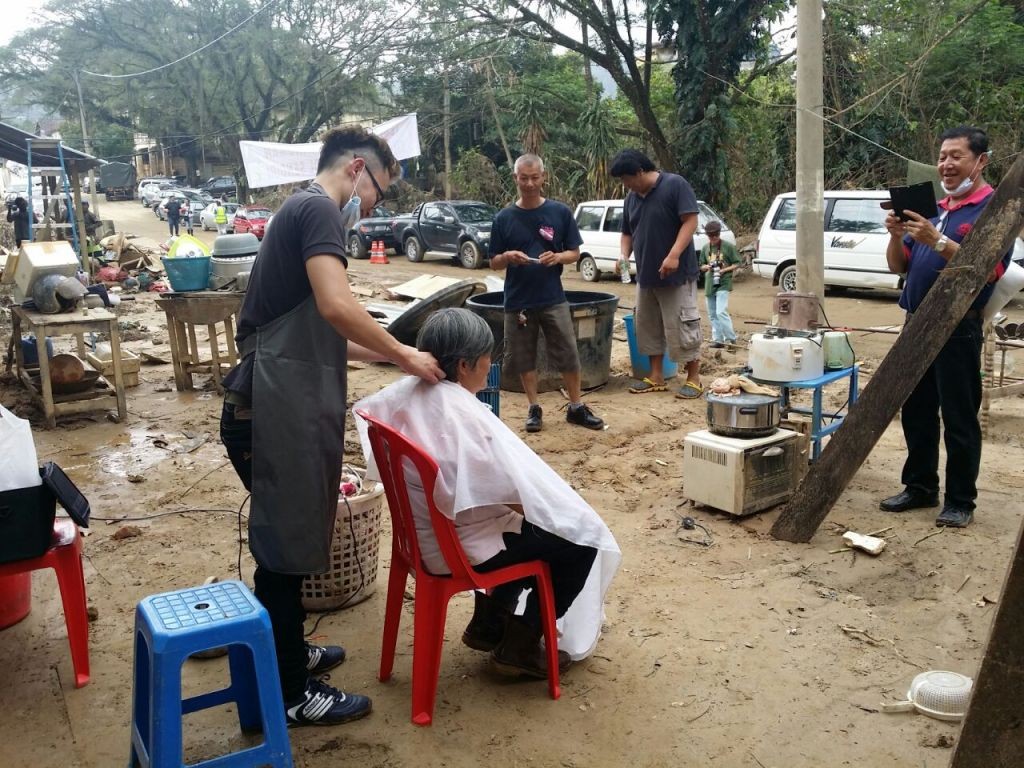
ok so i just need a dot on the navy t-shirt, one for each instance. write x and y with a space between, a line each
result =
549 227
924 264
308 224
654 222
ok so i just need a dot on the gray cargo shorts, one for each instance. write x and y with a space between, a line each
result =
668 317
560 338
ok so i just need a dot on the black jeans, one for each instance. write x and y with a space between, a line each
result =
570 565
951 387
172 224
280 593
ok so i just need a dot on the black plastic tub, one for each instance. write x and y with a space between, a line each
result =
593 315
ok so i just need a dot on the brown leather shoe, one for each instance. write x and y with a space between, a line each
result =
519 654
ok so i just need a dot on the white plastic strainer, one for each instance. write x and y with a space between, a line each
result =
942 695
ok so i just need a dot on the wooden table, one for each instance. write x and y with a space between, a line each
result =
69 324
184 312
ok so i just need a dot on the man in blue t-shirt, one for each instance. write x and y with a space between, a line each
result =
920 248
659 218
533 238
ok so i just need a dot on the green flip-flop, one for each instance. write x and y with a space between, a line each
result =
645 386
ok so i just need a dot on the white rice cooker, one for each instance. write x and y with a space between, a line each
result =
784 358
231 261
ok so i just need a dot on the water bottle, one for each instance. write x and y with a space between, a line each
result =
624 269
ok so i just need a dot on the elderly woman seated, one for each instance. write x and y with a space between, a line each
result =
508 506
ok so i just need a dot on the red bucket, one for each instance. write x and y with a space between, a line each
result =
15 598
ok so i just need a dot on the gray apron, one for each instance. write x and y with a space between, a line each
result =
298 439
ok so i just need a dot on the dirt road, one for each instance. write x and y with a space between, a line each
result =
745 653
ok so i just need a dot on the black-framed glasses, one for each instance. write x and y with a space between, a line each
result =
380 192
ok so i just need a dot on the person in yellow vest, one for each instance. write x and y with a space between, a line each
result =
220 216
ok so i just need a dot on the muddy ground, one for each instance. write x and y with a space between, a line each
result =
750 652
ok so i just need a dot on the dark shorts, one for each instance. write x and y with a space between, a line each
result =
559 337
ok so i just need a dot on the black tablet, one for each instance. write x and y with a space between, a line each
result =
919 198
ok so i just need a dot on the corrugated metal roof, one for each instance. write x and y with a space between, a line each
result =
13 147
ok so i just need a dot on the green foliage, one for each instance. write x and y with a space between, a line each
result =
474 177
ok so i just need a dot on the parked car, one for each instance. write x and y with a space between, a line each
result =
460 228
380 226
600 225
220 186
147 181
251 218
152 194
208 216
855 241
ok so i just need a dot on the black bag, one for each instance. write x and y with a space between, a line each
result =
27 514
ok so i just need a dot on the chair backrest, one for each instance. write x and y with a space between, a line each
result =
390 450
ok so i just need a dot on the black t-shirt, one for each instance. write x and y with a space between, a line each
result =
549 227
308 224
653 221
173 207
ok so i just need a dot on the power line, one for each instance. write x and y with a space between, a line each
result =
187 55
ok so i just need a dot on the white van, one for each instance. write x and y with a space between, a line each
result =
600 225
855 241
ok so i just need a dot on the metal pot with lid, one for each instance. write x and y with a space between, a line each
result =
743 415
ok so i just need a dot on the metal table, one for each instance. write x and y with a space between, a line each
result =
818 430
69 324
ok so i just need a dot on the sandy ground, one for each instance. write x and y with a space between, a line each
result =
731 655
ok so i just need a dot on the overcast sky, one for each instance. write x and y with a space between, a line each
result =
18 17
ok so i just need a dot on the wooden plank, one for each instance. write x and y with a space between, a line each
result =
926 331
992 734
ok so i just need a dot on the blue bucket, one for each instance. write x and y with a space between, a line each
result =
188 274
30 351
642 363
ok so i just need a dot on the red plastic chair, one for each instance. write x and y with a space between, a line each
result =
65 557
390 450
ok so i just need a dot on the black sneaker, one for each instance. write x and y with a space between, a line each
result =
321 658
323 705
584 417
535 419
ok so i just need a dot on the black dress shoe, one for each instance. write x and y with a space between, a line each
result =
901 502
534 419
584 417
954 517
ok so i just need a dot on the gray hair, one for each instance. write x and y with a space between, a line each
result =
528 159
451 335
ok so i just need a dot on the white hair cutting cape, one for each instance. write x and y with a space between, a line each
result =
482 462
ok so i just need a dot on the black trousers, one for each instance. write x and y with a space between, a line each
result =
570 565
951 387
280 593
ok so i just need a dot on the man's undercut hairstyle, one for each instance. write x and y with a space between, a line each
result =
528 159
977 139
630 162
341 143
455 334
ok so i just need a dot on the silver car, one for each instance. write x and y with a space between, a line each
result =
208 216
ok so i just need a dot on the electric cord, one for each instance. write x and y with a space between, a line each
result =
687 523
248 496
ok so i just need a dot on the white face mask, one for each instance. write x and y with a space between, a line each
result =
964 185
350 210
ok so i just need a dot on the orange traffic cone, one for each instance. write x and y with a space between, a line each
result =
377 255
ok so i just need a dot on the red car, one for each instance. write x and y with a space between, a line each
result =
251 218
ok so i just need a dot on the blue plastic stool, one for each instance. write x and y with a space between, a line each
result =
491 394
169 628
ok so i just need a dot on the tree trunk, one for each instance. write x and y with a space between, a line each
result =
992 734
923 336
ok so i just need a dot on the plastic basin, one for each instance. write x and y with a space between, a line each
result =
593 315
187 274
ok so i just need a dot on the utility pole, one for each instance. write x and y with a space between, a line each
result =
810 151
447 137
88 146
